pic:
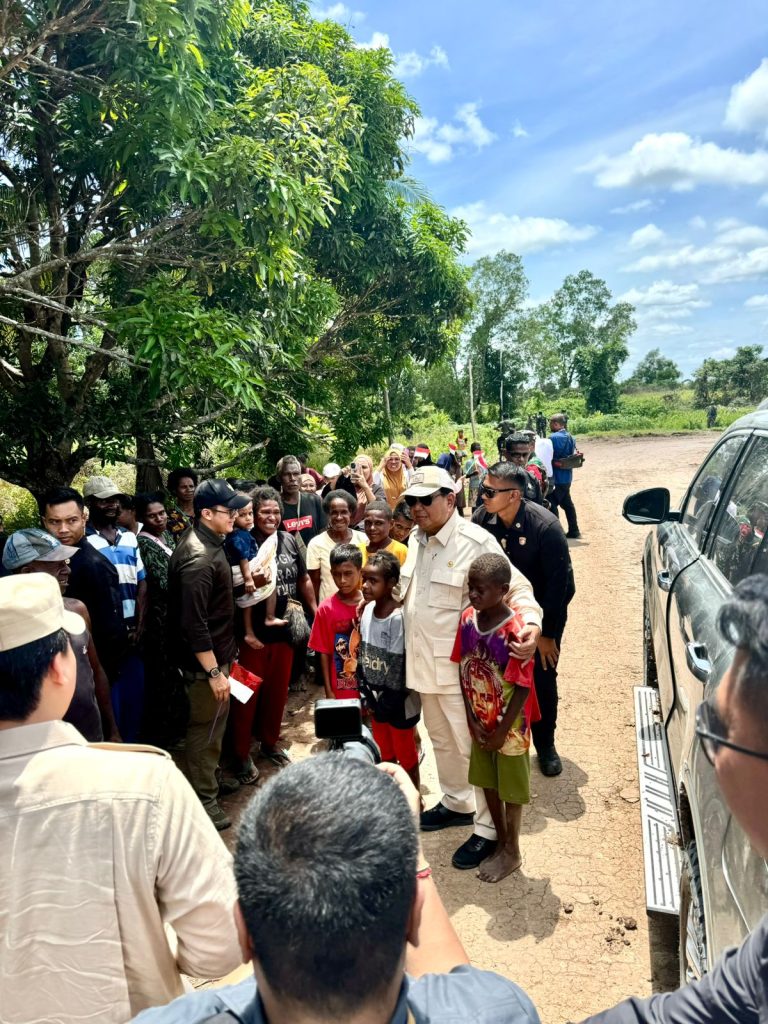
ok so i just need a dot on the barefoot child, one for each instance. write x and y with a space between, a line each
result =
334 635
241 549
500 702
381 666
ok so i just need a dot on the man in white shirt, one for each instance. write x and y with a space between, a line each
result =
433 589
101 846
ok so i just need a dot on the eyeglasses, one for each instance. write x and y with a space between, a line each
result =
517 455
231 512
710 728
491 492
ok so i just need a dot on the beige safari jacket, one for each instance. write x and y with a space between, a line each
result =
101 846
433 589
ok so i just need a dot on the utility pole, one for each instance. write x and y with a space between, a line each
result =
472 403
501 383
388 413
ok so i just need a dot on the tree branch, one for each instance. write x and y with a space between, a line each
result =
119 357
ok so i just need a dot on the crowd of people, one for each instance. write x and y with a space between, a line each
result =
436 593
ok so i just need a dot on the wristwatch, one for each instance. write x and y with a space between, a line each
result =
214 673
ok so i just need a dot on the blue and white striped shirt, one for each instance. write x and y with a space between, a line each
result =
124 554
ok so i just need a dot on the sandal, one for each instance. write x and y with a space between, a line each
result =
278 757
248 775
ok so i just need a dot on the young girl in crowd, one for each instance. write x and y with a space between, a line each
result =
500 702
241 549
381 666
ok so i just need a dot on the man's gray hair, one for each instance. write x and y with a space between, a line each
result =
326 874
743 621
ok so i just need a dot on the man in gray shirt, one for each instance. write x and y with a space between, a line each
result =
336 904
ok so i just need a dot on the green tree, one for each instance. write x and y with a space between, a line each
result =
499 287
655 370
201 232
742 378
587 338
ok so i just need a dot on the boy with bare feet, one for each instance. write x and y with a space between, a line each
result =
242 549
500 702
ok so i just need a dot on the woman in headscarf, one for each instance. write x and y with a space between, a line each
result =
367 489
393 475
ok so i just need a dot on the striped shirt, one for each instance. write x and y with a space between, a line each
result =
124 554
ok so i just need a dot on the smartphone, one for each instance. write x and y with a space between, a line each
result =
353 466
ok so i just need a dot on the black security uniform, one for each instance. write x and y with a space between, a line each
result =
535 544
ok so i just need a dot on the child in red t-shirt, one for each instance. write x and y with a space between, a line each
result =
334 634
500 702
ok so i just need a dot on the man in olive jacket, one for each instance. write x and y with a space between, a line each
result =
201 619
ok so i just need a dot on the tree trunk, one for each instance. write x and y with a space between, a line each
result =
472 419
388 413
148 476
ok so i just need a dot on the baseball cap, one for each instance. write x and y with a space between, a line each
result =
210 493
427 480
31 607
33 545
100 487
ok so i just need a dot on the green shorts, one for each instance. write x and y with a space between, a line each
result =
509 776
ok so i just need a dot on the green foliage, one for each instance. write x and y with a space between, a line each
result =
744 377
654 370
205 233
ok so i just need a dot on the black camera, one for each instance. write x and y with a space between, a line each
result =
341 723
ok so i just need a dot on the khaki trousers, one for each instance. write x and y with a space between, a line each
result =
446 723
205 732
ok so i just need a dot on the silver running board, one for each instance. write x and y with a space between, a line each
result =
658 809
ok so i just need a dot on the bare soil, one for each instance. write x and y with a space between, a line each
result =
562 926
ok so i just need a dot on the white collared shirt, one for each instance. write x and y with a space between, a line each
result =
101 847
433 588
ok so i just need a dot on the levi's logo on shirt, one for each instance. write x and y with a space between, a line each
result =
296 524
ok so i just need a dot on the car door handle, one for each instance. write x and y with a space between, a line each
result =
697 661
664 579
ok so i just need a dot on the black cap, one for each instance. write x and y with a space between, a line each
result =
210 493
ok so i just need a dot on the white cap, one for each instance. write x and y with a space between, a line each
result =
427 480
31 607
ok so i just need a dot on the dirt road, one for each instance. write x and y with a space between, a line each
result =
554 926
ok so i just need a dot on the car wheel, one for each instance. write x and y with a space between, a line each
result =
693 934
650 677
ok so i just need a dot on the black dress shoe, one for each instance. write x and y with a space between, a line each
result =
549 761
473 852
439 816
573 534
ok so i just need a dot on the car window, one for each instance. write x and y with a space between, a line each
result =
738 540
704 496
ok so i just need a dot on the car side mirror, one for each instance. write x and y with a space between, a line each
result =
647 507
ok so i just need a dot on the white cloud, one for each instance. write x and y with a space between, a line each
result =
671 329
685 256
378 41
666 294
748 264
675 160
643 237
518 131
412 64
639 204
339 12
742 235
493 231
724 353
697 223
438 142
763 200
747 109
757 302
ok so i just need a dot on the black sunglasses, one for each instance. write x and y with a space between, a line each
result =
710 728
426 501
493 491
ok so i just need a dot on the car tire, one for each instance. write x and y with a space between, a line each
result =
650 676
693 933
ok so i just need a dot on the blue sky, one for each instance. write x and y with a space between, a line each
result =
627 139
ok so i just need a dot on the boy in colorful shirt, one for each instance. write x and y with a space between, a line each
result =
381 666
500 702
334 634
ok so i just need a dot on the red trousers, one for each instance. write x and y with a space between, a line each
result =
396 744
262 716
